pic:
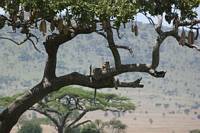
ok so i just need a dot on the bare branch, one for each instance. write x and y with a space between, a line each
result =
149 19
10 40
78 118
101 33
124 47
46 114
34 45
159 25
25 40
177 37
65 117
118 34
81 123
132 84
51 111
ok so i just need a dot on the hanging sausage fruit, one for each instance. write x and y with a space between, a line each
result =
134 28
60 26
182 38
2 22
43 27
52 25
191 37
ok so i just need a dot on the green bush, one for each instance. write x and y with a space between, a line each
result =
73 130
90 128
195 131
30 127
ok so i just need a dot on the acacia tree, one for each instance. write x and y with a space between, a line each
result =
85 17
66 107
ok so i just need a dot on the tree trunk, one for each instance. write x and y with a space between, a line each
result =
10 116
61 129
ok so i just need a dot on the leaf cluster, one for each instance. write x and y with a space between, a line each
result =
5 101
81 99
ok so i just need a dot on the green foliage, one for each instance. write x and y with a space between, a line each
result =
75 101
40 121
30 127
73 130
99 126
117 124
103 101
83 11
195 131
5 101
88 11
170 7
89 128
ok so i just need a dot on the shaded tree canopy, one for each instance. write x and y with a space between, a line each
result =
62 20
66 107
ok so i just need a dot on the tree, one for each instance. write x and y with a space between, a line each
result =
30 127
66 107
117 126
85 17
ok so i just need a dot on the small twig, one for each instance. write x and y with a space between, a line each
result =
26 39
34 45
124 47
193 46
149 19
197 30
118 34
95 95
81 123
10 40
34 36
101 33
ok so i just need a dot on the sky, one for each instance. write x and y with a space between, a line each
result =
143 19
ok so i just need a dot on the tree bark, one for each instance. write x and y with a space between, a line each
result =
61 129
10 116
108 29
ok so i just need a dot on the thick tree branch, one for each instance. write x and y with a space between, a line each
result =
174 34
108 29
106 81
11 114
